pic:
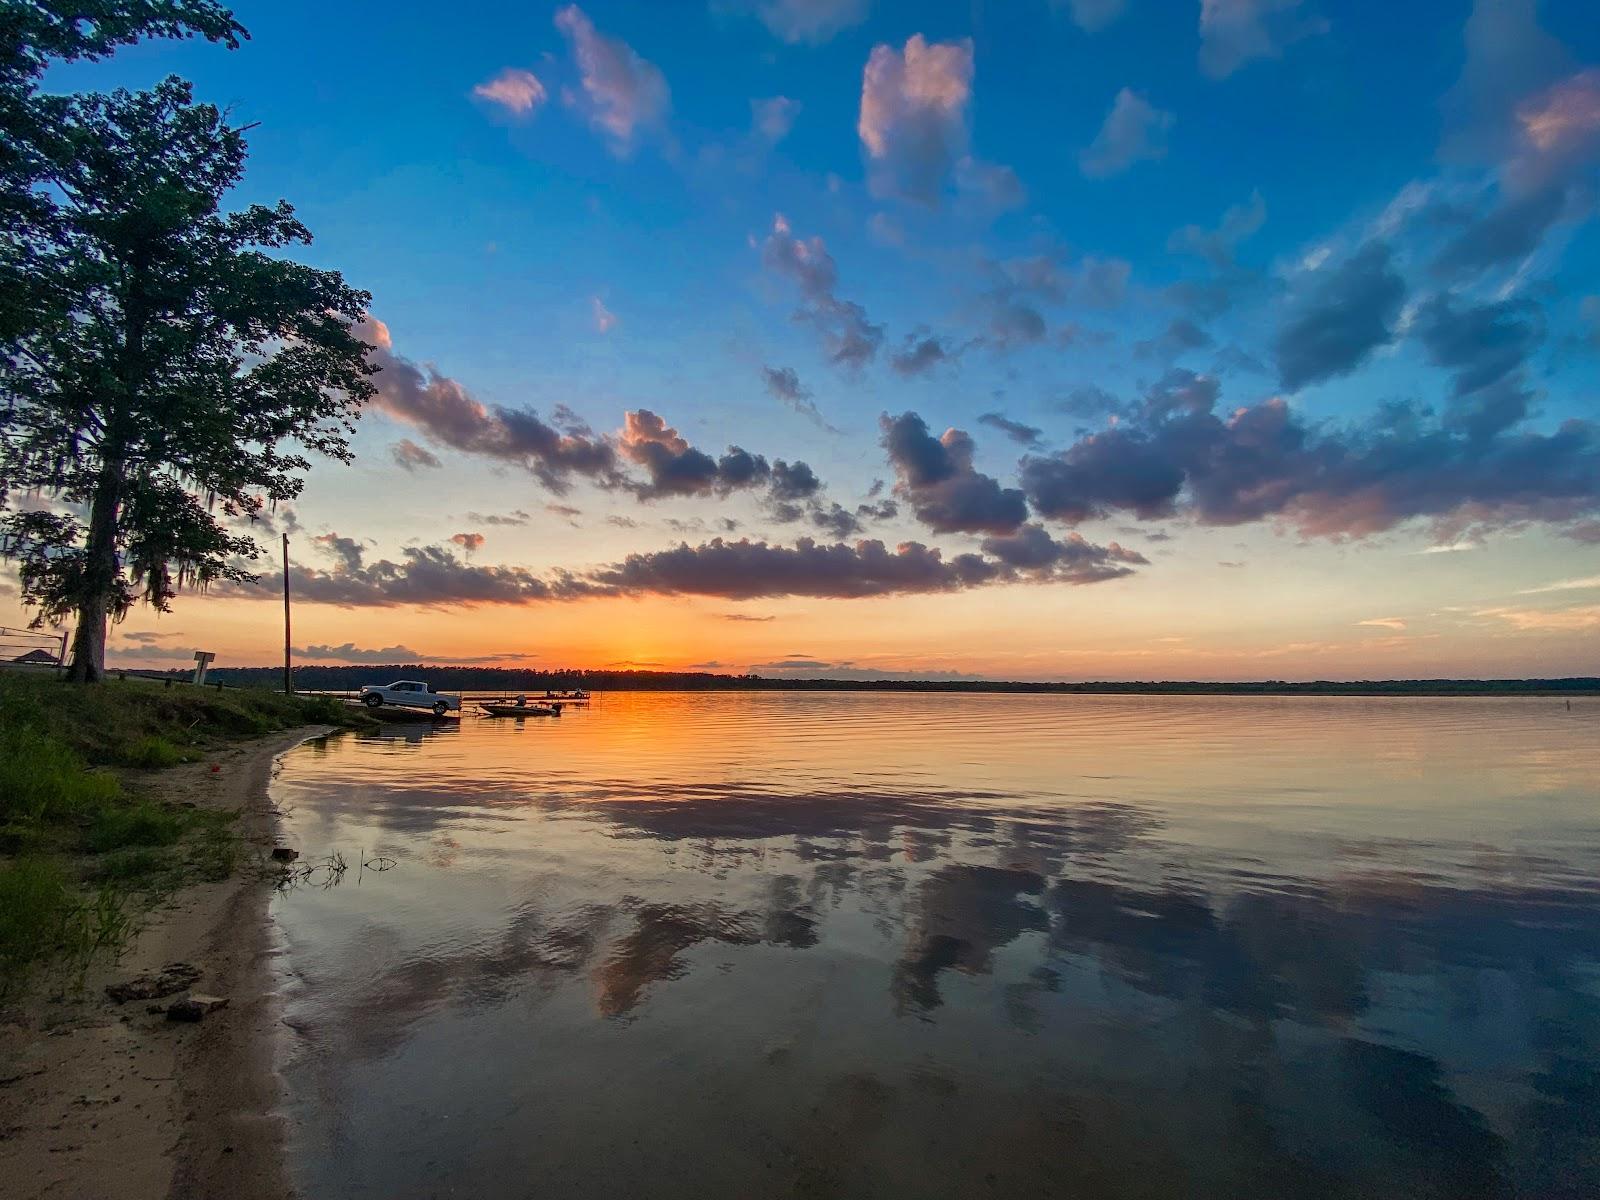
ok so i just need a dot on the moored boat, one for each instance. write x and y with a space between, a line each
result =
520 710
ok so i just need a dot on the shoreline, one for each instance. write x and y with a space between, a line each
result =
337 681
100 1099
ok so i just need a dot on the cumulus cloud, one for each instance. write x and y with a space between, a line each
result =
921 353
280 519
1219 246
913 123
936 476
1521 108
565 447
348 551
1347 312
447 413
1010 309
517 91
425 576
351 653
1508 59
1481 343
796 495
1559 127
783 383
810 21
675 468
145 637
1236 32
752 570
792 664
1088 400
1508 232
794 481
1180 337
1092 16
624 96
1174 453
850 339
1023 435
774 117
468 541
1546 157
742 570
1134 131
990 188
1031 549
409 456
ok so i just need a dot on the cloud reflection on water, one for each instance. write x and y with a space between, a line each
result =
1372 1011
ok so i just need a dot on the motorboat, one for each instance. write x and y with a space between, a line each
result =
520 710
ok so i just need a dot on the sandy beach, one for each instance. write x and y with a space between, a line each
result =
99 1099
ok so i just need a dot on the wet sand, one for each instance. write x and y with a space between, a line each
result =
99 1099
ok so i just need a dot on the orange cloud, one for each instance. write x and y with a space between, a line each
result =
1541 620
514 90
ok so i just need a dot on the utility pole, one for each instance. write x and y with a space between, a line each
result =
288 677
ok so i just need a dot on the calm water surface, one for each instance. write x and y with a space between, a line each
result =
852 945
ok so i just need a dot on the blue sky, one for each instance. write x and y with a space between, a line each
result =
1081 233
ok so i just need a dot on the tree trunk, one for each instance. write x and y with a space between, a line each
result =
99 579
89 644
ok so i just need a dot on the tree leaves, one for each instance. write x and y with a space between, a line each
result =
163 364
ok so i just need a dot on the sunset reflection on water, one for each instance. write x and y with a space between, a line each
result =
856 944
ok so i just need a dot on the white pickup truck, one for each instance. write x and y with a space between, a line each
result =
409 693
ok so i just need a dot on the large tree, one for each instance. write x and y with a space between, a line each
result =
169 367
33 35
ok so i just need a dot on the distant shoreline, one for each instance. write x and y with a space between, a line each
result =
479 679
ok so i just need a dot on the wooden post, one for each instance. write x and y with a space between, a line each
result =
288 677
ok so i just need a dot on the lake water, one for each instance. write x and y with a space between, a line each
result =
816 945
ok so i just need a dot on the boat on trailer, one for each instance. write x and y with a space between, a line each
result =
520 710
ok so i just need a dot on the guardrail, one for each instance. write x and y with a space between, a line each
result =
31 647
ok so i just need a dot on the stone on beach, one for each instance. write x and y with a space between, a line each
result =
172 978
194 1006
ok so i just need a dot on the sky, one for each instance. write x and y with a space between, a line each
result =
1045 339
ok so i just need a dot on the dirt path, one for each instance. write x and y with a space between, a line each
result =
100 1100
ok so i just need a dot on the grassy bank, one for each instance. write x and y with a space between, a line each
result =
87 839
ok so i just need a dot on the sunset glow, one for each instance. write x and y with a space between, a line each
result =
1026 341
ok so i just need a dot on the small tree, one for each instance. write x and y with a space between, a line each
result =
169 369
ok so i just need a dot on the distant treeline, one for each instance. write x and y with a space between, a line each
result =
504 679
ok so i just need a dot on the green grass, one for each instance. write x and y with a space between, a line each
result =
43 780
154 752
328 710
116 722
99 922
81 850
36 898
134 866
134 823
